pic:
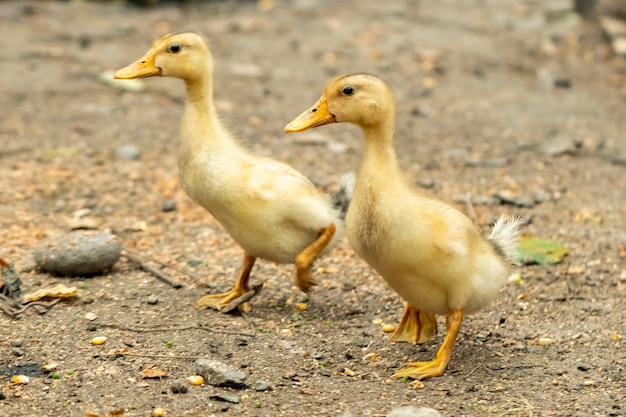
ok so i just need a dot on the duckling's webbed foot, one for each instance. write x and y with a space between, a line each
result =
423 370
305 259
238 296
416 326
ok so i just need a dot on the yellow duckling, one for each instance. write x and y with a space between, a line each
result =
428 252
271 210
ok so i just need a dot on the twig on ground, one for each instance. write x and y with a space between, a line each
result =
249 320
173 329
160 275
256 289
165 265
15 312
149 355
472 371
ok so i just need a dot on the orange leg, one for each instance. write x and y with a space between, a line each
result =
415 327
242 287
423 370
305 259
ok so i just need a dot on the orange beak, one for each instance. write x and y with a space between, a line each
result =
142 68
317 115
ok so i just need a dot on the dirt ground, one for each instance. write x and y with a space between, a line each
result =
516 98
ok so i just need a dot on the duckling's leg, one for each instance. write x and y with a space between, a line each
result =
242 286
416 326
423 370
305 259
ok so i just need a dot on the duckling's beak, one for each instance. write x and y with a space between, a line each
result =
317 115
142 68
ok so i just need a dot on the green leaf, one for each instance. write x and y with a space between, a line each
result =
533 250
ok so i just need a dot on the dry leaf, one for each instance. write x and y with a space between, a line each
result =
576 269
150 373
57 291
119 412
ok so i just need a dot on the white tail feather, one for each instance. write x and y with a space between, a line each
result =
504 235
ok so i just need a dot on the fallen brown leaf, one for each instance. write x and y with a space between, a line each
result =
154 373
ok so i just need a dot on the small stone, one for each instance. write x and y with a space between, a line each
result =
362 343
326 372
195 380
128 152
388 328
49 367
178 387
544 341
168 205
17 342
316 355
262 385
412 411
219 374
99 340
20 379
583 368
80 253
2 396
17 351
90 316
562 146
542 195
152 299
233 399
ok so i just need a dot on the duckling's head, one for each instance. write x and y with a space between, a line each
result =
184 55
359 98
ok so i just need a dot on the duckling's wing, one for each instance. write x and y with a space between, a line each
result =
288 196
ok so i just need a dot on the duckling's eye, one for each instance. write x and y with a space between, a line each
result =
174 48
348 90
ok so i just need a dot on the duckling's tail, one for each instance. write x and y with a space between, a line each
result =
341 199
504 237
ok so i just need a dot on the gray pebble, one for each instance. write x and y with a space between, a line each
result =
262 385
81 253
17 351
412 411
17 342
317 355
2 396
178 387
562 146
363 343
129 152
219 374
233 399
168 205
152 299
326 372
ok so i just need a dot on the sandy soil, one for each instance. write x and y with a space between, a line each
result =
487 91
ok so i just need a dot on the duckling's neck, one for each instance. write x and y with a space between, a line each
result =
380 155
201 127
